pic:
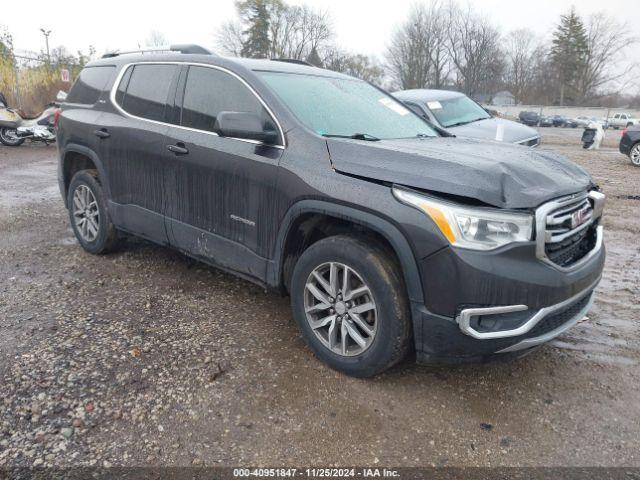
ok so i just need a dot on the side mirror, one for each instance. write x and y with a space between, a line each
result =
61 96
244 125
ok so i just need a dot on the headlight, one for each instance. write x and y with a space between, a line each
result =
467 227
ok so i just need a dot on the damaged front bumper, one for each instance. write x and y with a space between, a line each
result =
490 304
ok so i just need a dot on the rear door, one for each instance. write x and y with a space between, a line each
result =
221 190
137 159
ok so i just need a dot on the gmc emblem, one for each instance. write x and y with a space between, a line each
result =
579 217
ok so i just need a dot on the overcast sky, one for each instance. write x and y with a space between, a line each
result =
362 26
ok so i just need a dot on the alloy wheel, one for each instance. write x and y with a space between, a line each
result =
635 155
86 213
340 309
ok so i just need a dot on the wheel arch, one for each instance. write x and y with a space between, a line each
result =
306 209
75 158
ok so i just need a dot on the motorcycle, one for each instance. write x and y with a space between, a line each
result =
15 127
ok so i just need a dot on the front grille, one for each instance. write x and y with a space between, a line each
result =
551 322
571 232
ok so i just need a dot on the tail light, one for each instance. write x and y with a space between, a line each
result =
56 117
623 132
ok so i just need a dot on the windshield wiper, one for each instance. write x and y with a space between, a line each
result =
465 123
355 136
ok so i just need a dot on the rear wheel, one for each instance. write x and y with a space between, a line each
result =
349 299
9 137
634 155
88 213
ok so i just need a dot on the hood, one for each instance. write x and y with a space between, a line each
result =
498 174
486 129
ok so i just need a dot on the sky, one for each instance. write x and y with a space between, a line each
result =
361 26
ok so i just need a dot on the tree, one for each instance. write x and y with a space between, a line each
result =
256 43
230 38
520 48
606 43
156 39
359 66
273 29
298 31
569 52
474 48
417 55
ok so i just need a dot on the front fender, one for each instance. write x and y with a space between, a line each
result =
380 225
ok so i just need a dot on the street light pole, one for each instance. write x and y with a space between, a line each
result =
46 40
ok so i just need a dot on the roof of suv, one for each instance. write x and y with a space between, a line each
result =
248 63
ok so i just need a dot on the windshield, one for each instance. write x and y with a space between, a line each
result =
457 111
345 107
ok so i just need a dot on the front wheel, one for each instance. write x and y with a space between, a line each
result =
349 300
10 138
634 155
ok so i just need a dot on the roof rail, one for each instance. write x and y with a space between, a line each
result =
293 60
182 48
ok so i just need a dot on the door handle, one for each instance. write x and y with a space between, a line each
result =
178 148
102 133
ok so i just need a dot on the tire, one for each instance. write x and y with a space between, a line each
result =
91 199
7 138
634 154
369 266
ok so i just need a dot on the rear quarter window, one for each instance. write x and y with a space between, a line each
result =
90 84
144 90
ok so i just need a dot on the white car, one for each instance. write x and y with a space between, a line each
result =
622 120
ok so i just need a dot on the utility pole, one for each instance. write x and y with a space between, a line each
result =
46 40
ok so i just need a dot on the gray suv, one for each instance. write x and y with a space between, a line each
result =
388 237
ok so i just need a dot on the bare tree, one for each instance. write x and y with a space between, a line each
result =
156 39
520 47
294 31
607 40
299 30
417 55
229 38
360 66
474 48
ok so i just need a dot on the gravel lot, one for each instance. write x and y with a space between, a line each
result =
144 357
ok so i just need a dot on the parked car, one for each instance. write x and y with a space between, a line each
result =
582 121
622 120
530 119
388 237
571 123
545 122
559 121
460 115
630 144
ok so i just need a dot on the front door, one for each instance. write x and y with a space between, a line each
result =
221 190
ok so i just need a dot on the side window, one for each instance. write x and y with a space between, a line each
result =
122 88
90 84
623 117
209 91
147 90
